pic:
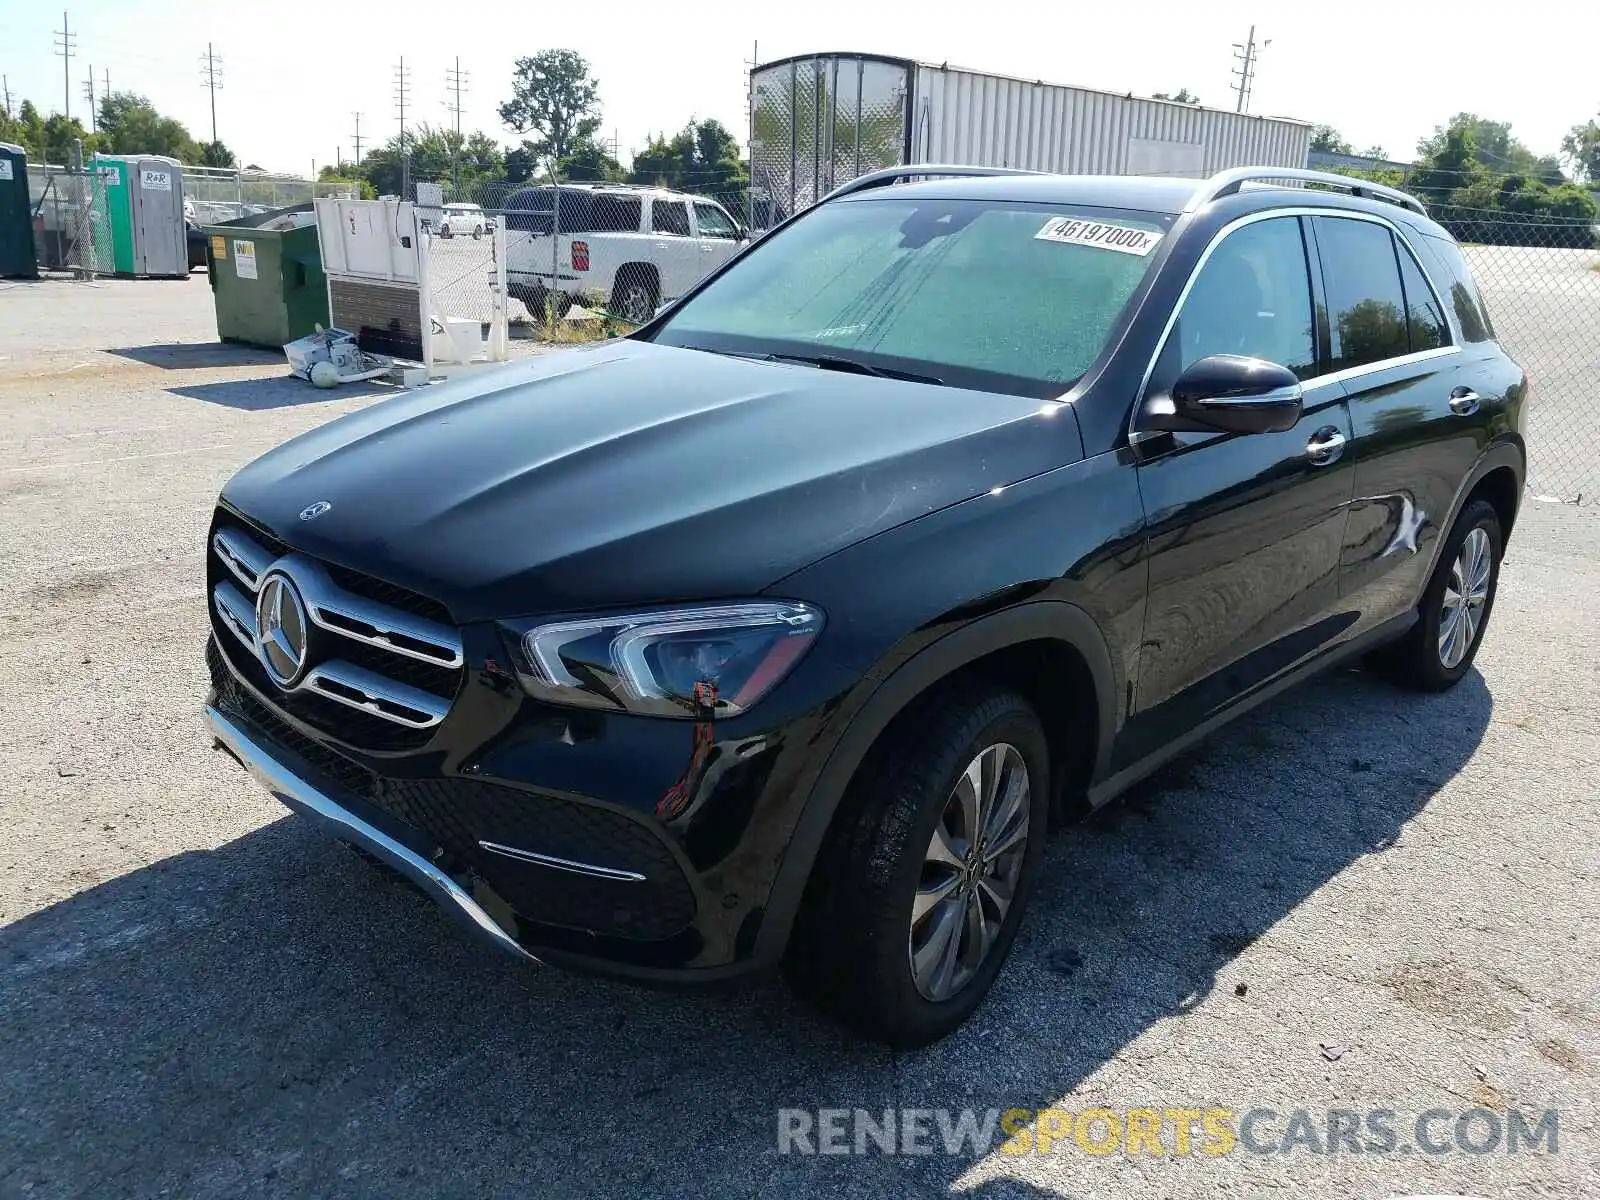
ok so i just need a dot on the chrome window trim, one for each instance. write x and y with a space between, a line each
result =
1135 435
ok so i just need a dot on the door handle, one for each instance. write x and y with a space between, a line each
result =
1464 401
1325 447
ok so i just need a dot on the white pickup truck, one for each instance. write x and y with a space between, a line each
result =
627 247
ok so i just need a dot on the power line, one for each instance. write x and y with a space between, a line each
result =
457 80
211 79
402 90
66 47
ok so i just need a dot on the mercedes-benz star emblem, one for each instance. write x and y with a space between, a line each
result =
281 629
312 511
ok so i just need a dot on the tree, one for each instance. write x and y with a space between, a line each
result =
1581 149
1325 139
130 124
1181 96
215 154
1374 152
1493 148
1452 164
589 161
703 156
553 97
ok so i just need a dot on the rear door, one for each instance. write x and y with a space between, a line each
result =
1419 409
676 254
1244 529
716 234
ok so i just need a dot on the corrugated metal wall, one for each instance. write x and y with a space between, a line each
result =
986 120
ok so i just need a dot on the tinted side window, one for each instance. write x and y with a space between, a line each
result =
616 214
1366 305
669 216
1465 298
1428 328
1252 297
713 222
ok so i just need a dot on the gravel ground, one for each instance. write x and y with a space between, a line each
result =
1353 899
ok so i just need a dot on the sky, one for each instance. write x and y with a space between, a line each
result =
294 72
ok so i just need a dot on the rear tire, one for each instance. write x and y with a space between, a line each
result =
885 889
1455 608
633 297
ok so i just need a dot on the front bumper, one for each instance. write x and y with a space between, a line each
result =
339 816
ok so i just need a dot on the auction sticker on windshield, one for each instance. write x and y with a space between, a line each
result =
1104 235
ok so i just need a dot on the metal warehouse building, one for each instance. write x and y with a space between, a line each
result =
819 120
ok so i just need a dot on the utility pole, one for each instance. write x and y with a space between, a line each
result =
5 93
66 47
402 88
358 139
456 80
105 83
211 78
1246 55
88 94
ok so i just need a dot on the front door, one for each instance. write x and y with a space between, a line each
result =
1244 530
717 234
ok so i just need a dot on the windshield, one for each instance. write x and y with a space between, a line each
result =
999 296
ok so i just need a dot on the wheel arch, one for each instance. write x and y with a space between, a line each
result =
1498 476
1050 650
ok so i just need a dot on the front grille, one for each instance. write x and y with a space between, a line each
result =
381 668
459 813
392 594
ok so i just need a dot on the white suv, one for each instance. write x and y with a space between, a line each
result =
627 247
462 219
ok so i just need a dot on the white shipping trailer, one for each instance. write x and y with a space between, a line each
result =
819 120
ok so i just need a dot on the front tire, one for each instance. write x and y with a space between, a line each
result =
916 898
1438 651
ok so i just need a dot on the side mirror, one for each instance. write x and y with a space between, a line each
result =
1227 392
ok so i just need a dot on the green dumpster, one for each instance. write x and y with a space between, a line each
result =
16 215
266 277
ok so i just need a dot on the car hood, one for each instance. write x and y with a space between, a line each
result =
630 473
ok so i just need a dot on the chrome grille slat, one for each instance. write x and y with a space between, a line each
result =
241 555
344 615
237 613
380 696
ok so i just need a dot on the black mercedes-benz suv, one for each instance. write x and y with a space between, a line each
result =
779 631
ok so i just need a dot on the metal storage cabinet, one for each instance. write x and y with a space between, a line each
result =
266 277
144 194
817 121
16 217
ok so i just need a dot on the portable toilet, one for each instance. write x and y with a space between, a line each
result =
16 216
144 197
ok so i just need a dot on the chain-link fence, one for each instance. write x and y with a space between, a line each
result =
1540 276
220 194
586 259
71 223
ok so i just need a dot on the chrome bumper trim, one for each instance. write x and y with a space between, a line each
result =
309 800
563 864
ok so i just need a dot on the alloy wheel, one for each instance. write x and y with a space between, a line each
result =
636 306
969 872
1465 594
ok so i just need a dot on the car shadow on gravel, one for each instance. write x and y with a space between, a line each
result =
198 356
285 391
276 1017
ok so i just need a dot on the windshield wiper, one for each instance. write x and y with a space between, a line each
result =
835 362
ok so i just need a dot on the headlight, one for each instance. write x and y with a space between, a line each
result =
669 662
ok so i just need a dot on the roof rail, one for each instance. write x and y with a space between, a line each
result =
1226 183
888 175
